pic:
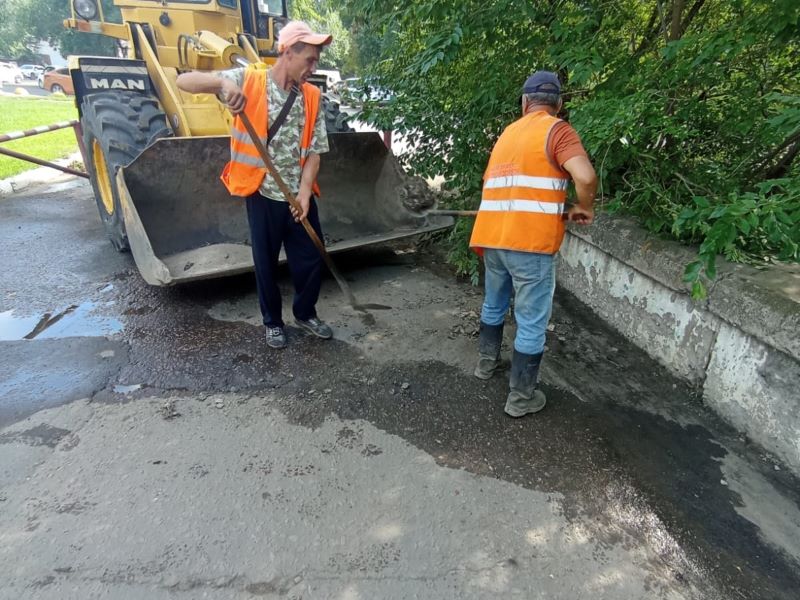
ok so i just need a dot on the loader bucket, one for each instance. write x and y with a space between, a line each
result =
182 224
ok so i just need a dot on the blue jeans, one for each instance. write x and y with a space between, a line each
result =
533 278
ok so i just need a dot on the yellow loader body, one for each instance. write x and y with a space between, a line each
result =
154 153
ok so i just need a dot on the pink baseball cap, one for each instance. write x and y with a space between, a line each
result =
297 31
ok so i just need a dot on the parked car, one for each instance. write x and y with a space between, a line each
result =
332 77
58 80
40 76
10 74
31 71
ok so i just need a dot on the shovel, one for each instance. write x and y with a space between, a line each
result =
348 293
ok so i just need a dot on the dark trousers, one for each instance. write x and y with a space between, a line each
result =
272 224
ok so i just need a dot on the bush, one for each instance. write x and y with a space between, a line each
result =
689 110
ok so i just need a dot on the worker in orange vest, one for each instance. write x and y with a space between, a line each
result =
286 112
519 229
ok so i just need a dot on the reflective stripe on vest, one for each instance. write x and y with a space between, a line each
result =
544 183
518 205
523 192
244 173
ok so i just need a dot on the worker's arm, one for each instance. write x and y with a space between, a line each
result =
307 179
196 82
585 179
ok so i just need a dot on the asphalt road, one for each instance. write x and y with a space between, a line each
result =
152 446
28 85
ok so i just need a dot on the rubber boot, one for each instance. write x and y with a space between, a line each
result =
524 398
489 342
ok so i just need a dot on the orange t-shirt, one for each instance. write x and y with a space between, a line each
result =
564 143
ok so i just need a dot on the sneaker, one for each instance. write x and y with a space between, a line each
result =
276 338
316 326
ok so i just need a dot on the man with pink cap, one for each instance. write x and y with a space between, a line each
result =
287 113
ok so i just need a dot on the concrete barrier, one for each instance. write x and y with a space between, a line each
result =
740 346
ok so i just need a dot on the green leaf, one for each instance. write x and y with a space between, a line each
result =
718 212
744 226
698 291
692 271
702 202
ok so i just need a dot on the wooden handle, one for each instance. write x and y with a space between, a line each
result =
452 213
287 193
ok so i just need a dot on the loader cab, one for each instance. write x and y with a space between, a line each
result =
257 14
171 24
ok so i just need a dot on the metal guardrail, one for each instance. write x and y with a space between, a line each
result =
16 135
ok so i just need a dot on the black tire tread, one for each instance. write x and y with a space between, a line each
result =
124 123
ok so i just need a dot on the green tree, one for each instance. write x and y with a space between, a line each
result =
322 15
28 22
690 109
14 41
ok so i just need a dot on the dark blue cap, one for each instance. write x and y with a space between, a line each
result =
544 82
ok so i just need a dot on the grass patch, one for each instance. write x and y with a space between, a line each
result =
19 113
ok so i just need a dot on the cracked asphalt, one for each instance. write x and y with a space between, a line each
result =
152 446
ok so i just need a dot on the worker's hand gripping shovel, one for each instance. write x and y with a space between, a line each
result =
351 299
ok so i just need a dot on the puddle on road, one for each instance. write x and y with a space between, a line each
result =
76 320
15 328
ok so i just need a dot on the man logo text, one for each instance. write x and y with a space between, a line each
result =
117 84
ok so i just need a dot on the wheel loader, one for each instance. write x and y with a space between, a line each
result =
154 153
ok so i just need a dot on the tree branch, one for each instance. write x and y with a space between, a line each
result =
691 15
649 29
782 167
675 25
661 21
763 170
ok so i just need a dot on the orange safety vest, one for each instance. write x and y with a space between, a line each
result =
245 171
523 191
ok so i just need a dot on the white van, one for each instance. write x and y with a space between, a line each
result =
331 77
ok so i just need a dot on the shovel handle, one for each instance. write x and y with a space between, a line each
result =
287 193
451 213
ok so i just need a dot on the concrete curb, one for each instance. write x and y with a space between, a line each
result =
741 346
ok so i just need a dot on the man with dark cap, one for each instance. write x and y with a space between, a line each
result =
278 100
519 229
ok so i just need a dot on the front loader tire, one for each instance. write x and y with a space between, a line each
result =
117 127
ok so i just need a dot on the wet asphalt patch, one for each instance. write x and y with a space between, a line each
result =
43 373
614 465
617 461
